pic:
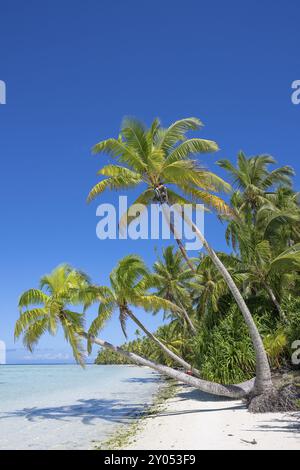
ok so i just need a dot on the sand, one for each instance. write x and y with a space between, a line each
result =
194 420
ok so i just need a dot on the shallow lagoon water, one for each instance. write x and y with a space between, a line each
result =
67 407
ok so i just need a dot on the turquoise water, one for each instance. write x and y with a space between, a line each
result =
66 407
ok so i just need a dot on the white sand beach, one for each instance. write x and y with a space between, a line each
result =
194 420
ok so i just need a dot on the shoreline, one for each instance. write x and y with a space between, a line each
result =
124 435
183 418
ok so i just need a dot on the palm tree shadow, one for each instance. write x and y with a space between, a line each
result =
289 424
198 395
142 380
88 411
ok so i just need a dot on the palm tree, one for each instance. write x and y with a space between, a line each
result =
264 268
159 157
66 286
278 219
129 288
252 177
171 279
58 290
209 285
174 339
156 157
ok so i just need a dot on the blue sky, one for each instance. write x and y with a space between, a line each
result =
73 69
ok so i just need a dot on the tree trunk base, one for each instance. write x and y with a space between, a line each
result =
275 400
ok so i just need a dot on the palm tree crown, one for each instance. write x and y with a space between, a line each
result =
129 283
159 157
50 309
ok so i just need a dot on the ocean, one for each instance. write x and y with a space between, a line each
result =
67 407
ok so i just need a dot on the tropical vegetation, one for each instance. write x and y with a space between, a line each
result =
229 317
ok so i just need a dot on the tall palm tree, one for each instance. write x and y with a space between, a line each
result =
171 278
66 286
129 288
158 158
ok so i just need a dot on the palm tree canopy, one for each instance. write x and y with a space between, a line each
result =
155 156
252 173
45 309
171 277
129 284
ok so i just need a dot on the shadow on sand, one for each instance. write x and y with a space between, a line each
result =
288 423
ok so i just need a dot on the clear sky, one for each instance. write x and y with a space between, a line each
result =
73 69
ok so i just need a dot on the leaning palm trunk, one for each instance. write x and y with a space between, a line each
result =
189 263
263 381
231 391
162 346
186 316
181 247
276 303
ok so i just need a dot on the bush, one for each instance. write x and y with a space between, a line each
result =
223 351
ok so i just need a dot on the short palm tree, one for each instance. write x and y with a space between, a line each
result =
209 285
128 288
51 308
171 278
158 158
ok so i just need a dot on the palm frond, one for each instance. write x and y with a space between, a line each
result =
177 131
135 135
191 147
210 200
26 318
114 182
119 149
32 297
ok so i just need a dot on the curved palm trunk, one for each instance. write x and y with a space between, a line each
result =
164 348
230 391
263 381
188 261
186 316
276 303
181 247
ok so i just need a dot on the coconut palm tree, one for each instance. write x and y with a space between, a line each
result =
264 269
209 285
51 309
252 177
157 158
47 308
278 219
174 339
171 279
128 288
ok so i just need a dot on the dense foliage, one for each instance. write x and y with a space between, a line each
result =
263 231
